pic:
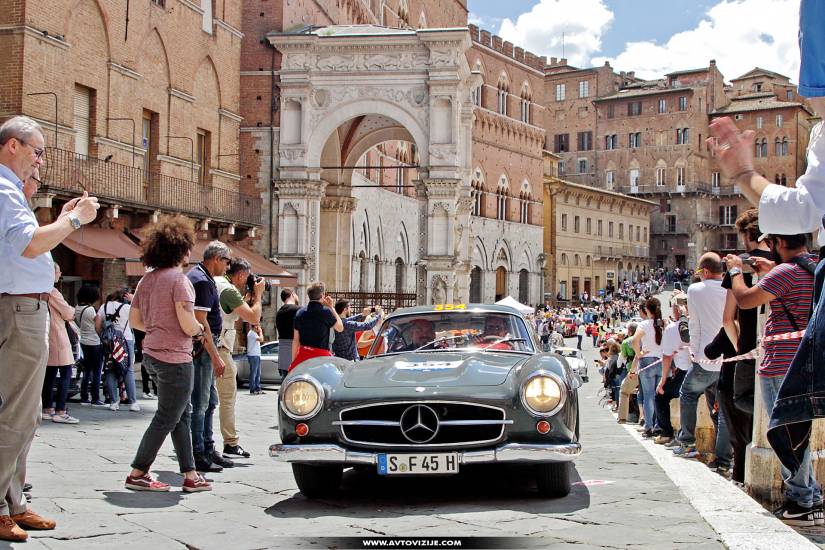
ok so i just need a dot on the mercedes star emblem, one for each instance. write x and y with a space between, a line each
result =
419 424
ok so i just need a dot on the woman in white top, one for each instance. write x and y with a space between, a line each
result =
647 343
118 304
85 318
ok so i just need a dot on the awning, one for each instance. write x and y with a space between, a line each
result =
277 276
97 242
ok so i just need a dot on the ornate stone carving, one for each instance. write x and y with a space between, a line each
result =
339 204
439 290
320 98
444 205
337 63
442 57
293 154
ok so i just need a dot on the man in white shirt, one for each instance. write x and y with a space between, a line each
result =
706 304
581 332
674 354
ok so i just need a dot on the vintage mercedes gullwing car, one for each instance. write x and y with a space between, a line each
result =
443 387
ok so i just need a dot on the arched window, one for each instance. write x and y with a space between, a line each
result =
362 266
502 195
475 93
777 147
784 147
503 92
475 285
524 286
399 275
587 260
478 193
563 259
576 260
377 281
524 209
526 100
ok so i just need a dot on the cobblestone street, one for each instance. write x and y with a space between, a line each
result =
622 498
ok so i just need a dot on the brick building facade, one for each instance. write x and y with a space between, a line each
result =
140 105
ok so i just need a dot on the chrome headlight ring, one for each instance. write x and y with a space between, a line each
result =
562 391
318 388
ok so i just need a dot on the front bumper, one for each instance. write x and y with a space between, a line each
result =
510 452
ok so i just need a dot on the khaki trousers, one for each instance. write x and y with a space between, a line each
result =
628 388
24 349
227 386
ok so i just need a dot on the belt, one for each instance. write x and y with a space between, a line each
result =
42 296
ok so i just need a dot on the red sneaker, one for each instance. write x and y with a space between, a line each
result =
196 485
145 483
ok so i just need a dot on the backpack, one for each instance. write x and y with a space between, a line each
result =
115 352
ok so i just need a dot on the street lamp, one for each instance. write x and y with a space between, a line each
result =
133 134
54 95
191 151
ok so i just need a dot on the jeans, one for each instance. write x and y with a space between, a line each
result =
800 486
671 388
648 380
172 416
146 379
48 396
696 382
812 48
92 370
204 402
579 344
284 357
129 379
723 449
616 384
254 372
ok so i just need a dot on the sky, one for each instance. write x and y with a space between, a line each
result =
651 37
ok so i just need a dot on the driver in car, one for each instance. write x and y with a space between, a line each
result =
422 332
495 330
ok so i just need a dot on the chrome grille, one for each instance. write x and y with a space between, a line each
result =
459 424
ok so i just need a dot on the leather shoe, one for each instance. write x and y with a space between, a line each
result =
11 531
30 520
216 458
204 464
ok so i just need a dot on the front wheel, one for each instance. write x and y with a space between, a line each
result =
553 479
317 481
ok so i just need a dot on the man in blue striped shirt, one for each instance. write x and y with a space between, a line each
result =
26 278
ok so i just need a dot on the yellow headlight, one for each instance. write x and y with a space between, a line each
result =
301 398
542 394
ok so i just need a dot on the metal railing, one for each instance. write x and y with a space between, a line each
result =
653 189
390 301
663 228
73 173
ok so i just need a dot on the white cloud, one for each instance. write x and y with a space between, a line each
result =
738 34
483 21
580 23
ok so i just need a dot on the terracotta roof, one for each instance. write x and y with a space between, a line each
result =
757 104
688 71
624 94
757 71
753 95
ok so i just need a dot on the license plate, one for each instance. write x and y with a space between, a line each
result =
443 463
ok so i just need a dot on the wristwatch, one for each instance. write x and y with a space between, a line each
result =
75 221
734 271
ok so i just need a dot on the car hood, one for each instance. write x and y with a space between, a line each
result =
443 369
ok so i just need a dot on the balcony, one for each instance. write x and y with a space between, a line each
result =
669 189
726 191
663 228
68 173
606 253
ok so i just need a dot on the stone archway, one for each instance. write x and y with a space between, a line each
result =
346 89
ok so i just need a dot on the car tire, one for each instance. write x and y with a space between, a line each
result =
317 481
553 480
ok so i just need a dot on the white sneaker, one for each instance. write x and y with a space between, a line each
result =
134 407
149 396
46 416
64 419
114 407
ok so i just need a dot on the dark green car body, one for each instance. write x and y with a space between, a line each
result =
477 384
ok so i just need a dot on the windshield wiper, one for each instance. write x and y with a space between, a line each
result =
503 340
442 339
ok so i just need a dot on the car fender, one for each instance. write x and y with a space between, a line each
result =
551 362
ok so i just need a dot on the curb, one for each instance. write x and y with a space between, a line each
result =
741 522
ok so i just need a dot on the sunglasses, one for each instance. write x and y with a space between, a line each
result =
226 259
38 151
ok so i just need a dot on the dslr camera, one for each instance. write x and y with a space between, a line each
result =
252 279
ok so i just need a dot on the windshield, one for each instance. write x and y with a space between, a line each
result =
437 331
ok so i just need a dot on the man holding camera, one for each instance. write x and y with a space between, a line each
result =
238 300
344 344
788 287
